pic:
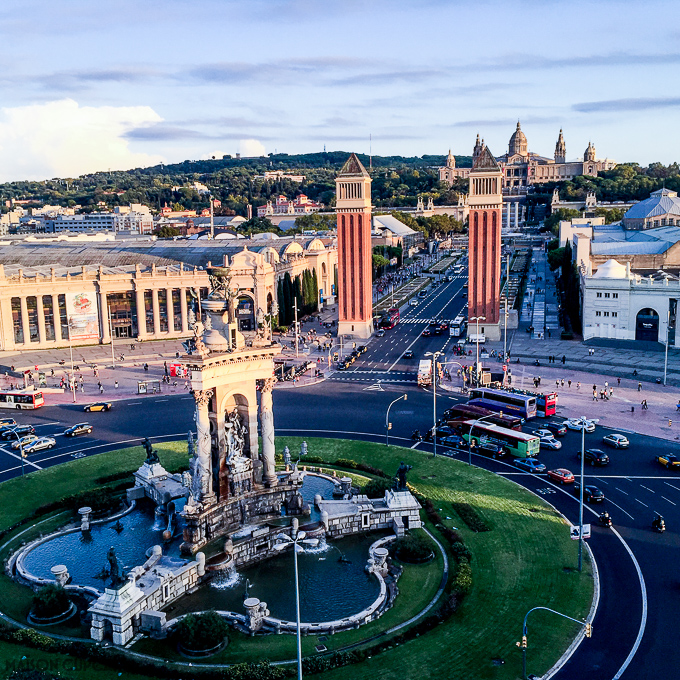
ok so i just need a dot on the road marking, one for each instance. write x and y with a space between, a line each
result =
620 508
624 492
376 387
646 487
56 422
414 445
18 457
670 501
158 401
134 403
672 486
641 503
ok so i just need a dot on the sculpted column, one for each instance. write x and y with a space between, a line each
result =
267 428
156 314
170 310
183 309
203 449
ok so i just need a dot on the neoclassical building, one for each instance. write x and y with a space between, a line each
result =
50 293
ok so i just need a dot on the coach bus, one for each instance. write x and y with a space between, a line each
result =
546 402
458 326
21 400
518 444
522 405
390 319
469 412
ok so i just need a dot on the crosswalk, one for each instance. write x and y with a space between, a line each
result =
427 320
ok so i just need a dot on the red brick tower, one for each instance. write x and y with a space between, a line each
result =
355 285
485 201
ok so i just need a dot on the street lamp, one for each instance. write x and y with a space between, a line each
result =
434 396
387 418
21 449
73 375
479 420
477 319
283 542
582 422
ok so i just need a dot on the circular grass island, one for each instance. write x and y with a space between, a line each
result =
506 550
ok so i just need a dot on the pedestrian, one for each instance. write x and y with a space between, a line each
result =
639 387
569 383
594 388
644 405
82 388
578 385
562 382
101 389
539 380
564 359
557 384
606 384
611 392
594 395
601 393
115 384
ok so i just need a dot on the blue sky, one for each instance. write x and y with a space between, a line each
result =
116 84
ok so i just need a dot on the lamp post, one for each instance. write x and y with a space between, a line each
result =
72 379
477 319
523 644
582 422
21 450
387 418
283 542
479 420
434 356
665 361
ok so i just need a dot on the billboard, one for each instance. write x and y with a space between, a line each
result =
83 315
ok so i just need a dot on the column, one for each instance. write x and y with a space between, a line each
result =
183 309
203 449
267 429
42 335
517 215
507 215
156 313
141 312
170 310
104 315
56 314
24 320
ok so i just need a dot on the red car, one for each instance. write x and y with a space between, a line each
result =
561 475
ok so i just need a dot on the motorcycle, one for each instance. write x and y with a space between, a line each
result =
416 436
659 524
605 520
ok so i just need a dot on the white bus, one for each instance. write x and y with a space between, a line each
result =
458 326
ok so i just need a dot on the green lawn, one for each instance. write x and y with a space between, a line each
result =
524 561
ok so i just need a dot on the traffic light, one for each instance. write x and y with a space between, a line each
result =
589 630
524 641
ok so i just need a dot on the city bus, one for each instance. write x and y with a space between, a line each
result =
546 402
458 326
21 400
469 412
390 318
518 444
522 405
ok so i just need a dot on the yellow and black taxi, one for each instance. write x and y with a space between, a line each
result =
7 422
98 406
668 460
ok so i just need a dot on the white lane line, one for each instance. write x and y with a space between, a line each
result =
624 492
158 401
667 499
641 503
56 422
599 479
26 461
134 403
414 446
646 487
620 508
672 486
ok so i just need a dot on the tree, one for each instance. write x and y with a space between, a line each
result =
553 221
281 303
378 262
166 231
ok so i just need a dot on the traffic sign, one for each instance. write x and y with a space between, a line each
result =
573 532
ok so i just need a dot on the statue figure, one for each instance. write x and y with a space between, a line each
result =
192 318
261 324
191 447
199 328
115 573
219 285
286 456
151 455
235 435
207 323
246 595
400 481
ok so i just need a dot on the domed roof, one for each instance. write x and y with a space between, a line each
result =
518 141
611 269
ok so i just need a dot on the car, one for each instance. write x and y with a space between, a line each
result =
453 441
422 294
542 433
595 457
413 302
617 441
40 444
575 424
529 465
380 333
361 349
16 431
561 475
433 323
550 442
558 429
349 360
343 366
442 431
591 494
668 460
80 428
24 441
426 333
98 406
355 354
7 422
408 354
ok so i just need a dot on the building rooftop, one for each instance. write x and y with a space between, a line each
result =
392 224
661 202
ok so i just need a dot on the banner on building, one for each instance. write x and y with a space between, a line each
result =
83 315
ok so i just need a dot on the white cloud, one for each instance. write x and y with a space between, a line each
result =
62 139
251 147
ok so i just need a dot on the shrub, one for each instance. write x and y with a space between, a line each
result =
252 671
364 467
461 551
200 631
463 581
412 547
49 601
102 501
375 488
346 463
469 515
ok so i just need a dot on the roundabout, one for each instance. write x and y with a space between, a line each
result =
518 555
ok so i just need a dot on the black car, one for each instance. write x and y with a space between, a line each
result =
408 354
453 441
442 431
80 428
362 349
591 494
595 457
491 449
558 429
20 430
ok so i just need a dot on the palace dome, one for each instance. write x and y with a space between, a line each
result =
518 142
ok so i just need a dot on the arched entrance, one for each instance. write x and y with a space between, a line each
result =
647 325
245 313
270 302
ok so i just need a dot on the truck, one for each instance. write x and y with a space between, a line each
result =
425 373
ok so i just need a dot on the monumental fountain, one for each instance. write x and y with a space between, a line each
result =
231 503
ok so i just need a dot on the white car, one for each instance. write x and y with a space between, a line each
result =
413 302
24 441
543 433
40 444
575 424
550 443
617 441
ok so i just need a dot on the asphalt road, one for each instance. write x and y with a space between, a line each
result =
634 486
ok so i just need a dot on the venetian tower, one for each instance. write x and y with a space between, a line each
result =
355 286
560 149
485 200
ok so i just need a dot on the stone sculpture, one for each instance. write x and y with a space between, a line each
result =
400 480
115 572
235 436
151 455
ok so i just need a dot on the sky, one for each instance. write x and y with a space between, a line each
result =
117 84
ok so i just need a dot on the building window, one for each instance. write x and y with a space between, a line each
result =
148 310
63 318
16 319
598 313
32 306
176 309
606 295
615 295
163 309
615 313
599 295
48 313
606 313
